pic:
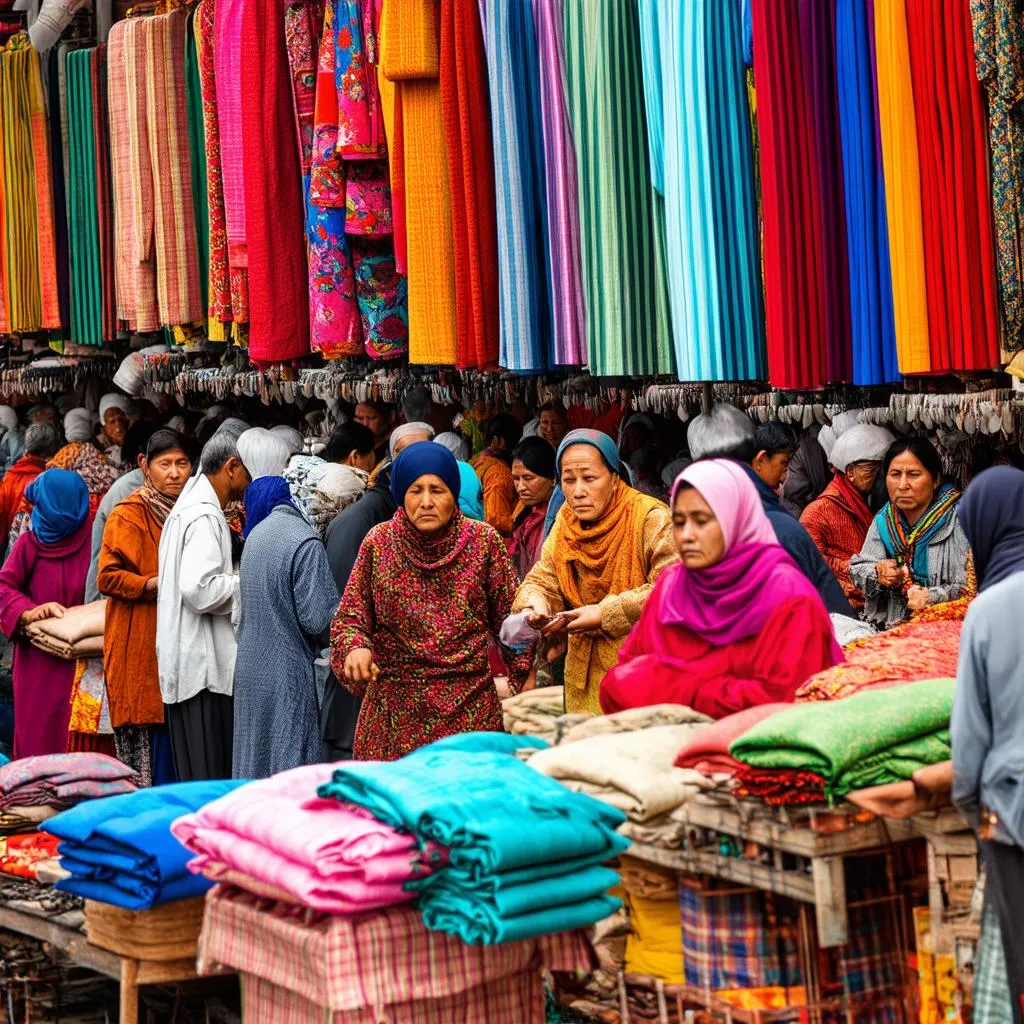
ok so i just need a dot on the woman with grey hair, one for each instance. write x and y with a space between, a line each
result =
41 443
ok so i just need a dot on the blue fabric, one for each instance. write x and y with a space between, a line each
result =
872 320
556 502
424 458
471 493
161 756
60 504
650 49
262 496
597 439
120 850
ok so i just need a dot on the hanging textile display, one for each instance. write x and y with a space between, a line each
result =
699 129
410 57
197 156
60 214
467 125
872 325
524 274
104 200
622 227
807 302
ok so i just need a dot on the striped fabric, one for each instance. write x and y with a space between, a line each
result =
104 200
622 226
4 289
197 156
568 312
47 253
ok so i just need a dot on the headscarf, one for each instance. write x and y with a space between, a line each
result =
60 504
78 425
233 426
734 598
596 439
405 430
85 459
291 437
471 493
113 400
909 545
991 515
455 443
263 453
864 442
337 488
262 496
424 458
8 418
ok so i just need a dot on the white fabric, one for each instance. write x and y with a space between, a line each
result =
78 425
263 453
197 596
455 443
8 419
405 430
827 439
290 436
112 400
864 442
845 421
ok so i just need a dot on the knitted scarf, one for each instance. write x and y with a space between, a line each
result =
909 546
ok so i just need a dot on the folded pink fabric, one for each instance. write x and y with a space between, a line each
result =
332 857
708 751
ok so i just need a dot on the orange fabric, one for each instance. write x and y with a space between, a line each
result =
128 559
499 492
45 239
12 489
5 320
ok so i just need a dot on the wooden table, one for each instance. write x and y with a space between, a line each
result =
131 974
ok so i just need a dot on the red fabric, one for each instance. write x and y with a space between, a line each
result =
949 105
673 665
91 743
21 855
467 123
708 751
780 785
838 523
274 216
12 489
396 147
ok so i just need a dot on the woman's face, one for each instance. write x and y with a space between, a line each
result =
863 475
587 482
115 425
168 472
531 489
429 504
696 530
911 487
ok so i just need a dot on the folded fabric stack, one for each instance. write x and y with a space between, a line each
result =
277 839
829 748
170 932
707 751
524 851
909 653
299 966
59 781
30 855
655 944
533 712
633 720
78 633
23 819
120 850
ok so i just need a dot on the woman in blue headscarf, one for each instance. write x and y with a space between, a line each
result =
45 574
428 592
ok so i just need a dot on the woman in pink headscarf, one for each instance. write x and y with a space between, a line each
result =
735 624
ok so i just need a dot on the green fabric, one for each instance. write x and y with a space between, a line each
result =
197 151
870 739
622 221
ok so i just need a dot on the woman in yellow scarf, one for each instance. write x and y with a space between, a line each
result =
597 567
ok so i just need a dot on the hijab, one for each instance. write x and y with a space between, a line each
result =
113 400
262 496
455 443
416 427
991 515
596 439
78 425
8 418
424 458
471 493
733 599
60 504
291 437
263 453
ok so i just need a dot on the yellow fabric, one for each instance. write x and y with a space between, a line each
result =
614 566
773 997
655 946
413 46
902 186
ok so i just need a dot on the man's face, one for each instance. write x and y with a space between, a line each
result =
378 423
45 415
552 427
115 425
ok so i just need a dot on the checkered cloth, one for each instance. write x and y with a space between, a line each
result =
868 961
373 960
992 1002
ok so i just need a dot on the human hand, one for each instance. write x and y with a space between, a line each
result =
50 610
152 585
888 573
360 666
587 619
918 598
537 614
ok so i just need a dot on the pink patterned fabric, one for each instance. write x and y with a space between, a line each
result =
333 858
228 82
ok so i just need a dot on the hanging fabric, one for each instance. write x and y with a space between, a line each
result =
104 199
197 157
699 127
41 163
872 325
60 214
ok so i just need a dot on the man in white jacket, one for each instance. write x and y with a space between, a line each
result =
196 600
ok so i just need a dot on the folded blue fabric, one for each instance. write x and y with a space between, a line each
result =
120 849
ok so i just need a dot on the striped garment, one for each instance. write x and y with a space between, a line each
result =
104 203
622 223
47 253
569 314
369 961
4 255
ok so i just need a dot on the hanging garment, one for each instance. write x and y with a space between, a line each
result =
956 202
4 255
197 156
523 269
303 22
699 129
805 256
104 200
60 213
622 226
467 122
872 325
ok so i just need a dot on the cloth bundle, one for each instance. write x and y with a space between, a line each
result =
272 836
60 781
708 751
870 739
76 634
533 713
164 933
633 720
24 855
524 851
632 771
120 850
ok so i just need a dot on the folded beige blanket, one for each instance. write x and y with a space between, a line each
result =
633 771
633 719
78 633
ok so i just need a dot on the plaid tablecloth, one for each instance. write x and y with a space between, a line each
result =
377 960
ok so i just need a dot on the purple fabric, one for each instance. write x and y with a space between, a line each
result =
35 574
63 780
570 343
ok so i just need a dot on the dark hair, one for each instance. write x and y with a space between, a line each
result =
537 456
505 426
136 440
165 440
921 448
380 408
775 438
346 439
554 407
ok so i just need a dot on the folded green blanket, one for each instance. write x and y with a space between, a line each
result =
870 739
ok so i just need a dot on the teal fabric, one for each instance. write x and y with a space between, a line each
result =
471 494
